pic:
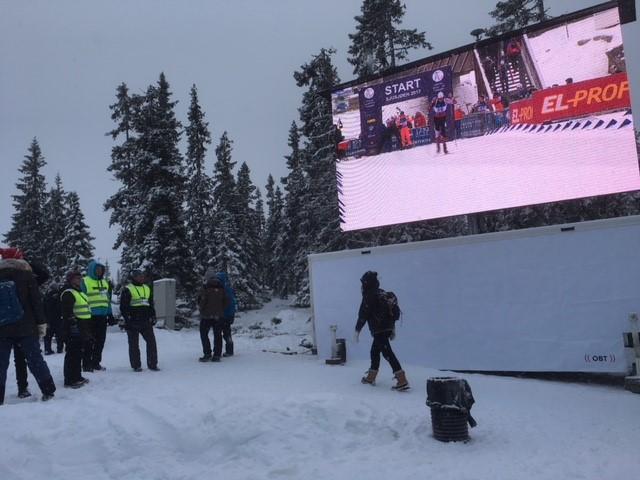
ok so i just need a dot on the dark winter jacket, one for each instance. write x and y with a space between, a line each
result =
39 271
230 311
53 307
20 272
136 317
212 300
371 312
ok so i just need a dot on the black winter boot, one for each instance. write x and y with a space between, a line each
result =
24 393
228 350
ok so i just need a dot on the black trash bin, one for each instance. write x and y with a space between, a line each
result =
450 400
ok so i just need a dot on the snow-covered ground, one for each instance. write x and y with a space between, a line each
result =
508 169
262 415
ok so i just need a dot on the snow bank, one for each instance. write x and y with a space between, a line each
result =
268 416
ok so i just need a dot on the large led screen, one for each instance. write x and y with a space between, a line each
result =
540 117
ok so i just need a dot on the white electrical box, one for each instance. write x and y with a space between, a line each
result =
164 301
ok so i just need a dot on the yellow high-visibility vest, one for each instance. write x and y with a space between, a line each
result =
81 308
97 292
140 295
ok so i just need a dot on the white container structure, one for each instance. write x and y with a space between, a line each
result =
549 299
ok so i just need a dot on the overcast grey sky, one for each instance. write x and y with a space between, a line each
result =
61 61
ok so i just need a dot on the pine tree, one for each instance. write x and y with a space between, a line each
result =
319 226
149 206
162 229
77 243
272 228
378 42
281 269
247 284
227 244
290 240
55 231
28 220
199 187
514 14
126 204
260 222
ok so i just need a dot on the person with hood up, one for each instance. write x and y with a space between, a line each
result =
98 290
136 306
382 327
229 313
212 302
76 326
22 320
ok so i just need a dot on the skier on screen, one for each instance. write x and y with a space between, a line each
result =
439 111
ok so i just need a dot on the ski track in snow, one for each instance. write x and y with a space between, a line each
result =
269 416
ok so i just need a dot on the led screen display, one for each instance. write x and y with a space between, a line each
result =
537 117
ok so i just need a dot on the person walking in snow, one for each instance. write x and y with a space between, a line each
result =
76 328
212 302
375 312
136 306
22 321
229 313
98 290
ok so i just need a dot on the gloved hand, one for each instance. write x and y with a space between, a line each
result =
393 334
356 336
122 324
42 329
111 321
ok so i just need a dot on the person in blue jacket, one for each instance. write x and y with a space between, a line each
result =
98 290
229 314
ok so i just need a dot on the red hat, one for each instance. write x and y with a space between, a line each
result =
11 253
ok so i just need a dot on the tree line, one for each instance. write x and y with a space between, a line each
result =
48 224
175 219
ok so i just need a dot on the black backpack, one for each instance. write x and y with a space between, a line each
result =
10 307
389 307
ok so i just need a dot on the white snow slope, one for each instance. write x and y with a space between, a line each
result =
264 415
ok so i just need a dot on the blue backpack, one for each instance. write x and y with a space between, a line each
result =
10 307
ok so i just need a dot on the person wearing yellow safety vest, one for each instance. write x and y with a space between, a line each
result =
136 306
98 291
76 327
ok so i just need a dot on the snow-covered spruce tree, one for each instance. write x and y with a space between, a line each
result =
247 283
281 268
149 207
55 231
272 231
126 204
290 240
262 260
199 191
320 223
378 43
77 243
28 220
161 233
227 244
514 14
